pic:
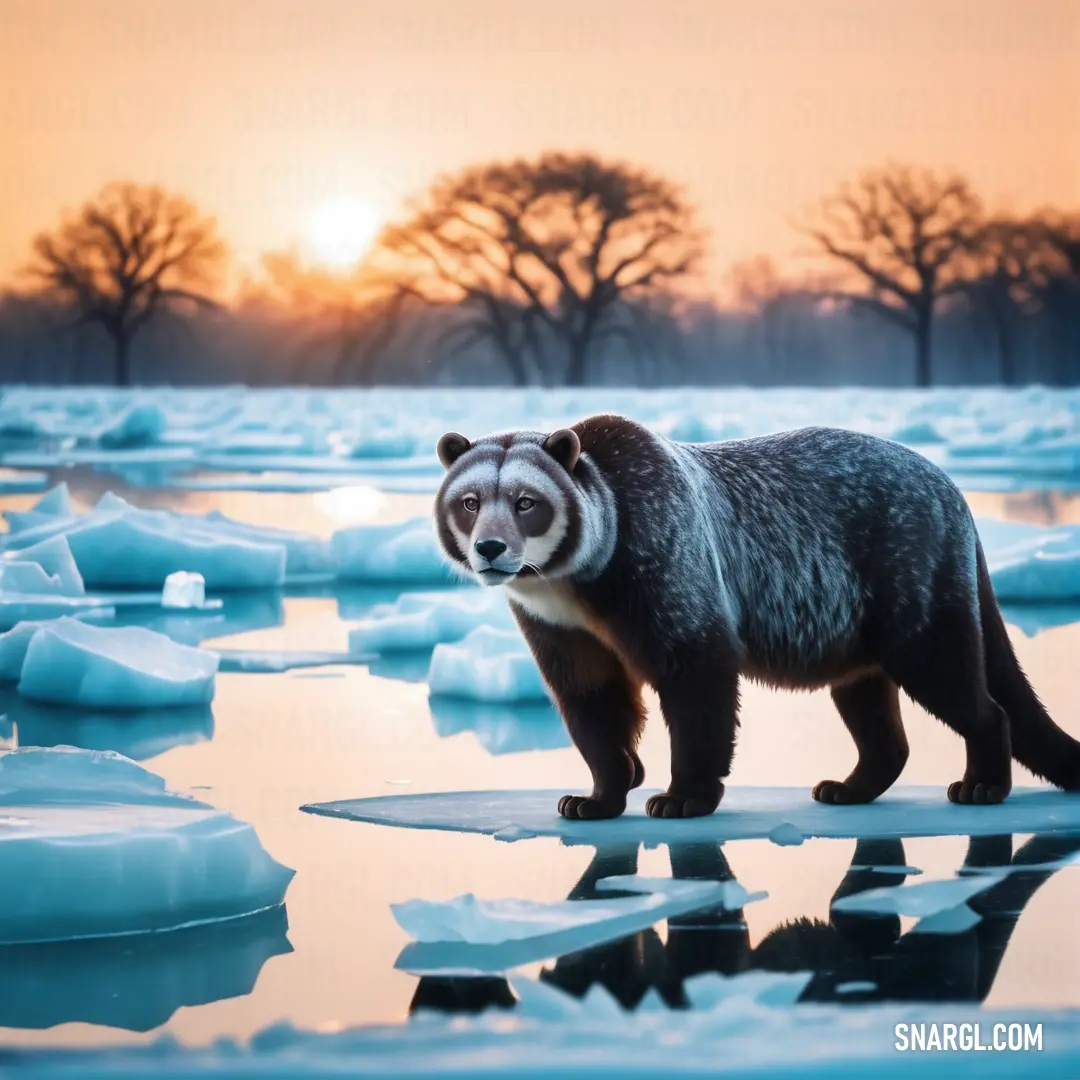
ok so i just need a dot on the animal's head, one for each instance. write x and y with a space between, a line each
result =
512 505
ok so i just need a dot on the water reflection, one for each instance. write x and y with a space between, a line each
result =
501 729
239 613
136 982
137 735
853 957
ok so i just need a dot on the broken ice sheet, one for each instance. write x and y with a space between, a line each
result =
467 935
921 900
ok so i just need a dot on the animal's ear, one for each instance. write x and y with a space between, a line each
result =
565 447
451 447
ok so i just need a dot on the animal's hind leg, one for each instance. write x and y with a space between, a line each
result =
942 669
870 709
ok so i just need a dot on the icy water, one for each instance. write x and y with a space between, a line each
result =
275 742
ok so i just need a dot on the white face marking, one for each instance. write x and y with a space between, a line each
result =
550 602
526 471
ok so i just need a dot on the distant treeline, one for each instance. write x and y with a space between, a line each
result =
560 270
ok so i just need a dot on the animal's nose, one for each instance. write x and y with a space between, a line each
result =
490 549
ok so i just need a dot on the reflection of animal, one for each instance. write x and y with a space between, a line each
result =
852 957
806 559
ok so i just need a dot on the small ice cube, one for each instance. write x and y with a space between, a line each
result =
184 590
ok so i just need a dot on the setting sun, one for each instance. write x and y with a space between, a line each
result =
342 230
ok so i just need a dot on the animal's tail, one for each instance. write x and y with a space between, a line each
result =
1037 742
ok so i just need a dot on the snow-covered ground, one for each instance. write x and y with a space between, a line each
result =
296 523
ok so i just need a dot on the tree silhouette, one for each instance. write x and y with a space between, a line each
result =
127 255
1059 294
551 251
356 313
905 235
1012 264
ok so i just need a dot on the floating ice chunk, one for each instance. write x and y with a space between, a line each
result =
25 607
56 502
54 557
488 665
71 663
424 620
1031 563
467 935
22 520
131 856
183 590
136 982
745 813
490 922
139 424
304 553
711 990
919 900
405 551
786 835
28 578
955 920
856 986
117 546
261 661
501 729
13 646
918 433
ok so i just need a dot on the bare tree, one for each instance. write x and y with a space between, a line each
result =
357 314
1011 265
904 235
547 252
129 254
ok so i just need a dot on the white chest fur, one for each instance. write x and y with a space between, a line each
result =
551 602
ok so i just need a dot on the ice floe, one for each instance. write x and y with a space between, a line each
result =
93 845
1032 563
467 935
553 1035
745 813
54 557
422 620
921 900
488 665
69 662
405 551
265 661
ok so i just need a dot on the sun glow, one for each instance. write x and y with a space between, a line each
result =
342 231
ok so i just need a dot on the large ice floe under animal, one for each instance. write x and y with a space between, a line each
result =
745 813
93 845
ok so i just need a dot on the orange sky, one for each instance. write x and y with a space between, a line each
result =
262 109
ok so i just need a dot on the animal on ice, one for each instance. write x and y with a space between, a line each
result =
805 559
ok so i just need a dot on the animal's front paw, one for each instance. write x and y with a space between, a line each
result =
839 793
588 807
670 804
978 792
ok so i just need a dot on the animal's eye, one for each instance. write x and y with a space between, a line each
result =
471 503
525 503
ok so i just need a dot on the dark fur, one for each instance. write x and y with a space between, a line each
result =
841 560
